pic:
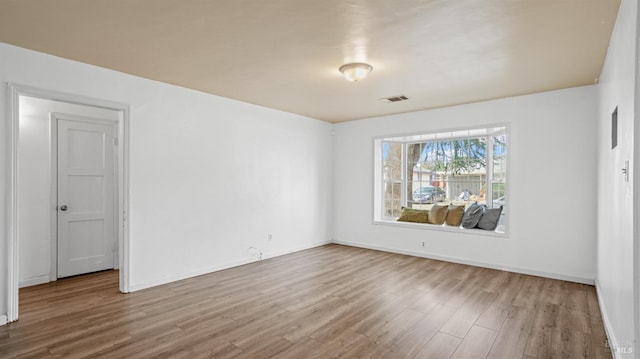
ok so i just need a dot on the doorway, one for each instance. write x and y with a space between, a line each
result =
68 190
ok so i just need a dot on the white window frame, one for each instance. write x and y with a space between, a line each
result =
450 134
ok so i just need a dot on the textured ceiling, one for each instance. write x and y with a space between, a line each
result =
285 54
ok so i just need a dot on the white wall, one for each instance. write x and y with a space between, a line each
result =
551 177
34 183
615 196
194 160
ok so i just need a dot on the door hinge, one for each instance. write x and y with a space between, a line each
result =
115 141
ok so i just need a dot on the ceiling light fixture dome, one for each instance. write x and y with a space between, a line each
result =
355 71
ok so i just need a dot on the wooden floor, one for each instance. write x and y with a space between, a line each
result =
332 301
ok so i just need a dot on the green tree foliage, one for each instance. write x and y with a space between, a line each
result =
456 156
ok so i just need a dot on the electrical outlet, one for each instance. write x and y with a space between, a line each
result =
423 244
269 236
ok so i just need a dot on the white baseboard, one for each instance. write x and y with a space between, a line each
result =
618 350
34 281
569 278
215 268
611 338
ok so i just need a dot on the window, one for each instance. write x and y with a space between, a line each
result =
459 167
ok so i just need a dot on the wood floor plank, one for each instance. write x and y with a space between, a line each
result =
529 293
266 347
539 340
328 302
497 312
464 318
599 347
476 344
360 347
396 327
160 341
442 345
514 334
304 348
551 291
381 314
493 280
314 318
439 294
388 313
222 351
347 344
411 342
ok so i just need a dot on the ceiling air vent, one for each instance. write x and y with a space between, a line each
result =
394 99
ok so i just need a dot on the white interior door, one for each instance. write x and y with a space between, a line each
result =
86 196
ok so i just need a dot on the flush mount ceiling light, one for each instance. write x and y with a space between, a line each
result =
355 71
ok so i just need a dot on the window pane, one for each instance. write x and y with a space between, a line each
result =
499 199
392 204
500 156
498 194
457 167
392 158
468 188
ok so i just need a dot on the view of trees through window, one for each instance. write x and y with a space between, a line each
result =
458 167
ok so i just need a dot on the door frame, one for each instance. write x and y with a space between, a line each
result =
14 91
53 140
636 186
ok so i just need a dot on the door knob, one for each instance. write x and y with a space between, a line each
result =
63 208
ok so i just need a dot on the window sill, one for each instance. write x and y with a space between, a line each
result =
443 228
